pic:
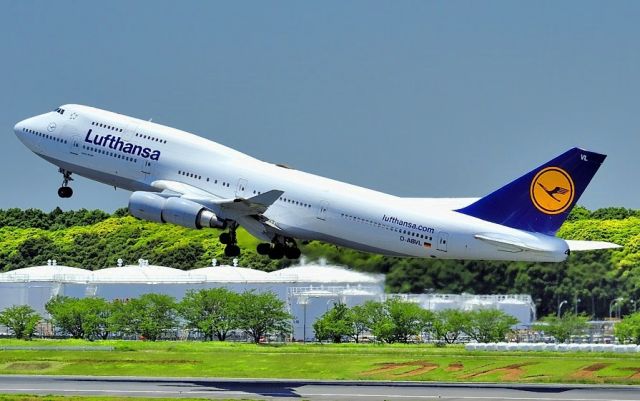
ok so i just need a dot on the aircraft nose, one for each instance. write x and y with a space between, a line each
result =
30 122
18 127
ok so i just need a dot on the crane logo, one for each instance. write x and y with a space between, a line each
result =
552 190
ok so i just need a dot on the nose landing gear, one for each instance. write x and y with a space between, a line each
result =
65 190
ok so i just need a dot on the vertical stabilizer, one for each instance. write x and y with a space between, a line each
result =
541 200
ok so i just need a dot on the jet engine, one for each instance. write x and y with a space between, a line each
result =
175 210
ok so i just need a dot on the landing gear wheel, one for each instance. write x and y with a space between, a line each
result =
65 192
276 252
225 238
263 249
232 250
229 239
292 252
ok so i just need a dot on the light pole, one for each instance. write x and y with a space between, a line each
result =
618 309
560 306
577 303
613 302
304 301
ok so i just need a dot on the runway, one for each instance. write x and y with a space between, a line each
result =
270 389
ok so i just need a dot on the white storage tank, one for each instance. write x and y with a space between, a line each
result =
519 306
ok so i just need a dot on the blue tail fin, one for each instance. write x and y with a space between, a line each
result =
541 200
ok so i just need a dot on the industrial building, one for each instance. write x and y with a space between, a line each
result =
308 289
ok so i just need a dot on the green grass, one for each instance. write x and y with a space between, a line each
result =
21 397
317 361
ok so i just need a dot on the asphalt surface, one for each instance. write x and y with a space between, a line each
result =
260 389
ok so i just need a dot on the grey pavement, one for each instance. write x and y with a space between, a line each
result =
275 389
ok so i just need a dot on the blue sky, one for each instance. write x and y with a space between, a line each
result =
430 99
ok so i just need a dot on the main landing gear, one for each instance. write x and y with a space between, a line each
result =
279 248
229 239
65 190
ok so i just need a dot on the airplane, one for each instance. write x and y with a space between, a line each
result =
181 178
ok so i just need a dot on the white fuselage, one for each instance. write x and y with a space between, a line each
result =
132 154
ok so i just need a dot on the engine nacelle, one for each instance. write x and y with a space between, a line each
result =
183 212
147 206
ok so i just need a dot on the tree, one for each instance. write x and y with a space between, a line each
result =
628 329
212 311
21 319
262 313
66 314
335 324
80 317
378 321
489 325
562 328
408 319
395 320
95 317
36 250
359 322
448 324
579 213
148 316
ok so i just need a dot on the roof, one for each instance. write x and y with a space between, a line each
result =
143 274
48 273
311 273
227 274
324 274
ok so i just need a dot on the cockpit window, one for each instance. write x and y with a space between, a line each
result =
59 110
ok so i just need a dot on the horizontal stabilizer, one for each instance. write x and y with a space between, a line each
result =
577 246
508 244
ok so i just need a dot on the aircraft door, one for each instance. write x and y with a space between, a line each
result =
322 210
147 169
74 139
74 145
443 238
147 166
241 187
128 132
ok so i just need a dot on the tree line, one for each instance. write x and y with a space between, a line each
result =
395 320
588 281
212 312
217 312
55 220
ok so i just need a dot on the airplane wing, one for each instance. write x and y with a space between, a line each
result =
175 188
577 246
232 208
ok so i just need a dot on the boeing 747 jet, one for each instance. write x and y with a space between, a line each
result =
180 178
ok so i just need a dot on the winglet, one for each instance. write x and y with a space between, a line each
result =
540 200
